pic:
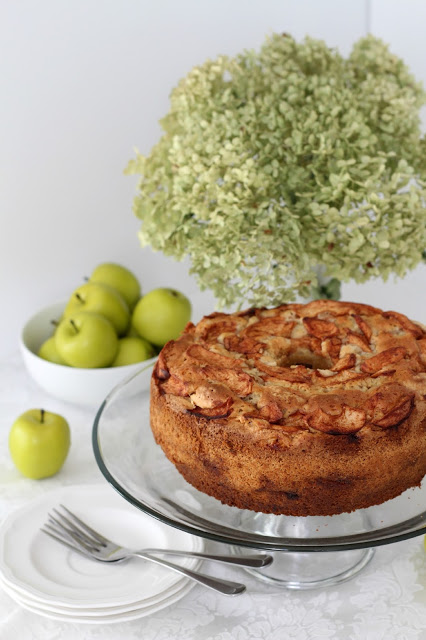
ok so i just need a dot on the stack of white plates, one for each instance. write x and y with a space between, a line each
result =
47 578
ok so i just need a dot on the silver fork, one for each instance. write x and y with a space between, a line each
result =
72 532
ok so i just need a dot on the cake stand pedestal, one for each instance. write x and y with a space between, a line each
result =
298 570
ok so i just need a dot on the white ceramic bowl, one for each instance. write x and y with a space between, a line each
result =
81 386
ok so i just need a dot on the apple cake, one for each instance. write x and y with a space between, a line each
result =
304 409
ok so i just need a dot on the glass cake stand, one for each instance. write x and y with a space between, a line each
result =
308 551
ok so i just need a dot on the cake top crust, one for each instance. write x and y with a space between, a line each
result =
336 368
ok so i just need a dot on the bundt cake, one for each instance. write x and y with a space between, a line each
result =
304 409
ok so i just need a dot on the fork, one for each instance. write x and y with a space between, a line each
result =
72 532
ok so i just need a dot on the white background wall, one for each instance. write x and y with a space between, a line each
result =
83 82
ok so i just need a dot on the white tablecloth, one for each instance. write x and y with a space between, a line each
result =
387 600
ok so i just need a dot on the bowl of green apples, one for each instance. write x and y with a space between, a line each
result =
79 349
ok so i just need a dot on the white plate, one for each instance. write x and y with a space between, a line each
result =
37 567
98 612
108 616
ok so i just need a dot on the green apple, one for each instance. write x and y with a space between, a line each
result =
39 442
132 350
119 278
100 298
86 340
161 315
48 351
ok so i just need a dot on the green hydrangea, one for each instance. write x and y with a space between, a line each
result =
277 161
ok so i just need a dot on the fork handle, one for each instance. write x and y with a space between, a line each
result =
225 587
254 560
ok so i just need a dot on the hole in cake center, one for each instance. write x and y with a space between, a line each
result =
306 359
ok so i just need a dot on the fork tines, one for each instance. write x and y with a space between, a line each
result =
70 530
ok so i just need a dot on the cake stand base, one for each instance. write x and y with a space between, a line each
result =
296 570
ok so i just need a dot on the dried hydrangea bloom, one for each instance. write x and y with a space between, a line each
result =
273 162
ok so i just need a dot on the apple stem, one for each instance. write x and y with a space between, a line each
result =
42 415
74 326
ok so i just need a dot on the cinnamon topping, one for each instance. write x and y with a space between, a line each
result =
324 346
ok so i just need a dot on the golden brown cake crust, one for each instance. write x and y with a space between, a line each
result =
312 409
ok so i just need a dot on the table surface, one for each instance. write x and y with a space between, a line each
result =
386 600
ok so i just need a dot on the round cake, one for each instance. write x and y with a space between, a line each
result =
312 409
